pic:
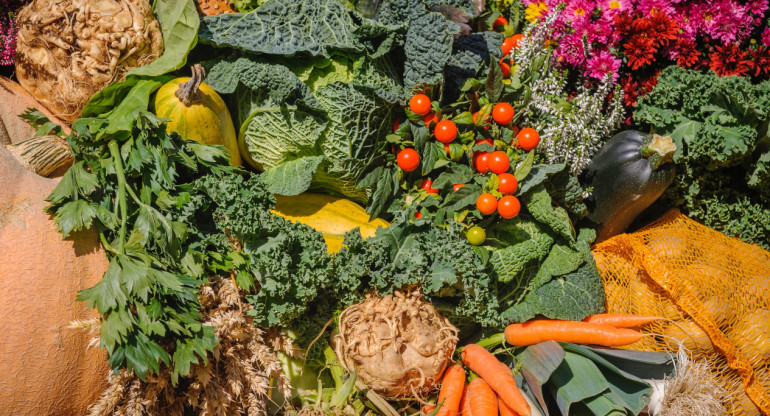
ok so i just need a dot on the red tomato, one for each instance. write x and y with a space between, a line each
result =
420 104
427 185
528 138
498 162
517 40
484 122
508 44
486 203
508 206
457 186
418 215
505 69
500 21
502 113
448 150
445 131
408 160
430 117
481 161
507 183
487 140
396 125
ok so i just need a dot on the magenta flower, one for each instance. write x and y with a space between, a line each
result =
651 7
570 50
766 36
579 10
8 31
602 64
758 7
611 8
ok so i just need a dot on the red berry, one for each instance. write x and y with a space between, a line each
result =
396 125
508 44
430 118
528 138
457 186
502 113
508 206
505 69
418 215
420 104
447 149
517 38
500 21
427 185
445 131
481 161
498 162
507 183
408 160
486 203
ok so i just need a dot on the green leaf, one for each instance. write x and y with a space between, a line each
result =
179 23
192 351
538 362
641 364
575 380
494 83
108 293
135 276
539 174
74 216
292 177
523 168
540 206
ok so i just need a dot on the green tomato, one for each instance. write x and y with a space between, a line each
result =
476 235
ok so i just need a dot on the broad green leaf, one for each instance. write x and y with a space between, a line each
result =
524 167
292 177
641 364
575 380
179 23
540 206
75 216
539 174
538 362
494 82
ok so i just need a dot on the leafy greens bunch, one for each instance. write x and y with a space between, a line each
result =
720 127
312 99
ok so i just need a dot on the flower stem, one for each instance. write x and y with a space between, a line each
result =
115 153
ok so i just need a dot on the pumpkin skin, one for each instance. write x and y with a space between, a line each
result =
47 368
206 119
329 215
628 174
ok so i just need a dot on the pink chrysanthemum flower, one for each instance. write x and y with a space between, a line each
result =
578 10
651 7
570 50
602 64
758 7
766 36
611 8
7 40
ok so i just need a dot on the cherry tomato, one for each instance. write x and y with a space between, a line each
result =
517 38
488 140
427 184
481 161
476 235
456 187
418 215
500 21
508 206
502 113
484 122
508 44
408 160
448 150
505 69
498 162
430 118
507 183
420 104
445 131
486 203
396 125
528 138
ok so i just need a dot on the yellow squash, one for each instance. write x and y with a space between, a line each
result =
197 112
329 215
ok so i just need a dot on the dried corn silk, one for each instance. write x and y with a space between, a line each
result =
714 291
70 49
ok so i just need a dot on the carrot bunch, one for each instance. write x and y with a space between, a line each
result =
609 330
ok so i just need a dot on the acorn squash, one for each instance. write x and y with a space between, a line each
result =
197 112
329 215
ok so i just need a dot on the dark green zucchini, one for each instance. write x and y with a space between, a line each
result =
626 176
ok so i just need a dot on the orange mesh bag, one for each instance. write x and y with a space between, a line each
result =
714 292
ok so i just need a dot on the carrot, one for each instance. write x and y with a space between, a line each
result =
505 410
483 363
537 331
426 409
452 387
621 320
465 406
483 401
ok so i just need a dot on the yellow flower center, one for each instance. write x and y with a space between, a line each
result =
614 5
707 17
580 12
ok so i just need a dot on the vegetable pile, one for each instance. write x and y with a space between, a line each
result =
352 206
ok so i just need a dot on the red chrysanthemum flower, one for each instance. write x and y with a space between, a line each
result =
685 52
622 23
639 51
663 28
760 61
729 60
648 84
642 26
630 90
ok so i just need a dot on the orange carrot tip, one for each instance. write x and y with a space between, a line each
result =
576 332
620 320
497 375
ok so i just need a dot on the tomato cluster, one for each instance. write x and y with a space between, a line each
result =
498 162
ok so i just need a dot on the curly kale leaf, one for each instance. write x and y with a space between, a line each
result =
720 127
471 55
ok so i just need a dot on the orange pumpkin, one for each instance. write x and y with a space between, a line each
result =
46 367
